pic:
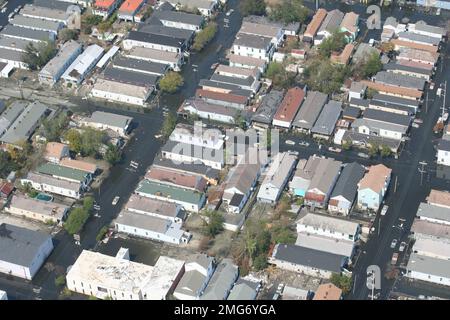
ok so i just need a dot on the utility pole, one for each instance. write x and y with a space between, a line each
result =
422 170
395 185
426 102
379 225
445 94
317 5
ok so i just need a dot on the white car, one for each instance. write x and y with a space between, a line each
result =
4 9
115 200
303 144
384 210
332 149
363 155
290 142
393 243
402 247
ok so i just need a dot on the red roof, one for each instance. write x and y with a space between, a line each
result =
228 97
290 105
130 5
104 4
6 188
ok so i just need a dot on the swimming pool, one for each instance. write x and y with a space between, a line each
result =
44 197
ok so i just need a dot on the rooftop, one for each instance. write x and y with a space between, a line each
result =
58 63
260 29
324 175
327 223
428 228
166 191
327 119
434 212
83 62
180 17
383 116
130 77
35 23
79 165
148 54
147 205
25 33
328 291
252 41
20 246
177 178
63 172
138 91
400 80
332 21
310 110
326 244
347 183
429 265
316 22
439 198
110 119
221 281
290 105
140 65
250 61
50 209
268 107
375 178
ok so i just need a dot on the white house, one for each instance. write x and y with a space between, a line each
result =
121 92
198 272
198 135
443 152
428 269
83 64
23 251
104 120
276 177
205 110
321 225
118 278
250 45
434 213
42 182
373 187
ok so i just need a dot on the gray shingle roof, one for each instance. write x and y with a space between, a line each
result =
419 38
429 265
268 107
252 41
309 257
396 100
310 110
347 184
444 145
141 66
221 281
326 122
156 39
20 32
388 117
130 77
392 66
111 119
433 212
244 290
375 103
19 245
400 80
166 31
198 168
247 82
30 22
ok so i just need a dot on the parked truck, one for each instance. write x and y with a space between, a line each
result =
394 258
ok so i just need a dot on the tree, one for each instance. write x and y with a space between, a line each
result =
385 151
76 220
372 65
148 12
171 82
67 34
347 145
289 11
279 76
321 75
52 129
74 138
88 203
239 120
252 7
373 149
101 233
31 56
113 154
6 164
260 262
169 124
283 235
215 223
206 35
37 57
60 281
342 282
335 42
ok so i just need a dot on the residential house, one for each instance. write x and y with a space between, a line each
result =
418 55
121 92
65 173
263 116
344 56
254 46
326 122
346 188
413 104
314 25
288 108
37 210
36 24
129 9
248 83
265 30
197 273
205 7
373 187
190 200
326 226
408 70
276 177
118 278
189 181
349 26
391 23
47 183
6 189
105 8
237 72
155 208
329 25
146 81
363 52
181 152
244 289
400 80
232 100
55 151
357 91
431 42
35 36
428 269
83 65
23 251
222 281
422 28
303 175
439 198
10 114
433 213
79 165
247 62
310 110
154 41
324 178
329 245
55 68
307 261
328 291
180 20
443 152
108 121
173 59
205 110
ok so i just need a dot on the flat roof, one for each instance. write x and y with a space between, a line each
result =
13 43
148 54
325 244
389 117
429 265
127 89
203 106
172 192
130 77
432 229
400 80
415 37
110 119
25 33
166 31
50 209
180 17
20 246
155 38
58 63
52 181
35 23
252 41
246 60
140 65
143 221
322 222
44 12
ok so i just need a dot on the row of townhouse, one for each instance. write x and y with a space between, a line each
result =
324 246
429 260
328 184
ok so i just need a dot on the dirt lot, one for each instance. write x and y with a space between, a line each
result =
25 223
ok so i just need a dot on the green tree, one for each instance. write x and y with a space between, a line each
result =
321 75
385 151
283 235
7 164
88 203
239 120
279 76
252 7
215 223
372 65
374 149
260 262
101 233
335 42
75 142
169 124
52 129
289 11
91 140
31 56
347 145
148 12
67 34
60 281
171 82
205 36
342 282
76 220
113 154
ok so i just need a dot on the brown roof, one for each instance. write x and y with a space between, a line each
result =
315 23
177 178
328 291
414 45
375 178
79 164
246 60
439 198
344 56
393 90
290 104
350 22
227 97
430 228
54 150
415 64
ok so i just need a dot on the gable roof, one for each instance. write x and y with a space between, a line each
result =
375 178
290 104
327 291
347 184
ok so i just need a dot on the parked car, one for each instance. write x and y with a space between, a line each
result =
394 258
303 144
363 155
415 125
384 210
393 243
332 149
402 246
290 142
419 121
115 200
